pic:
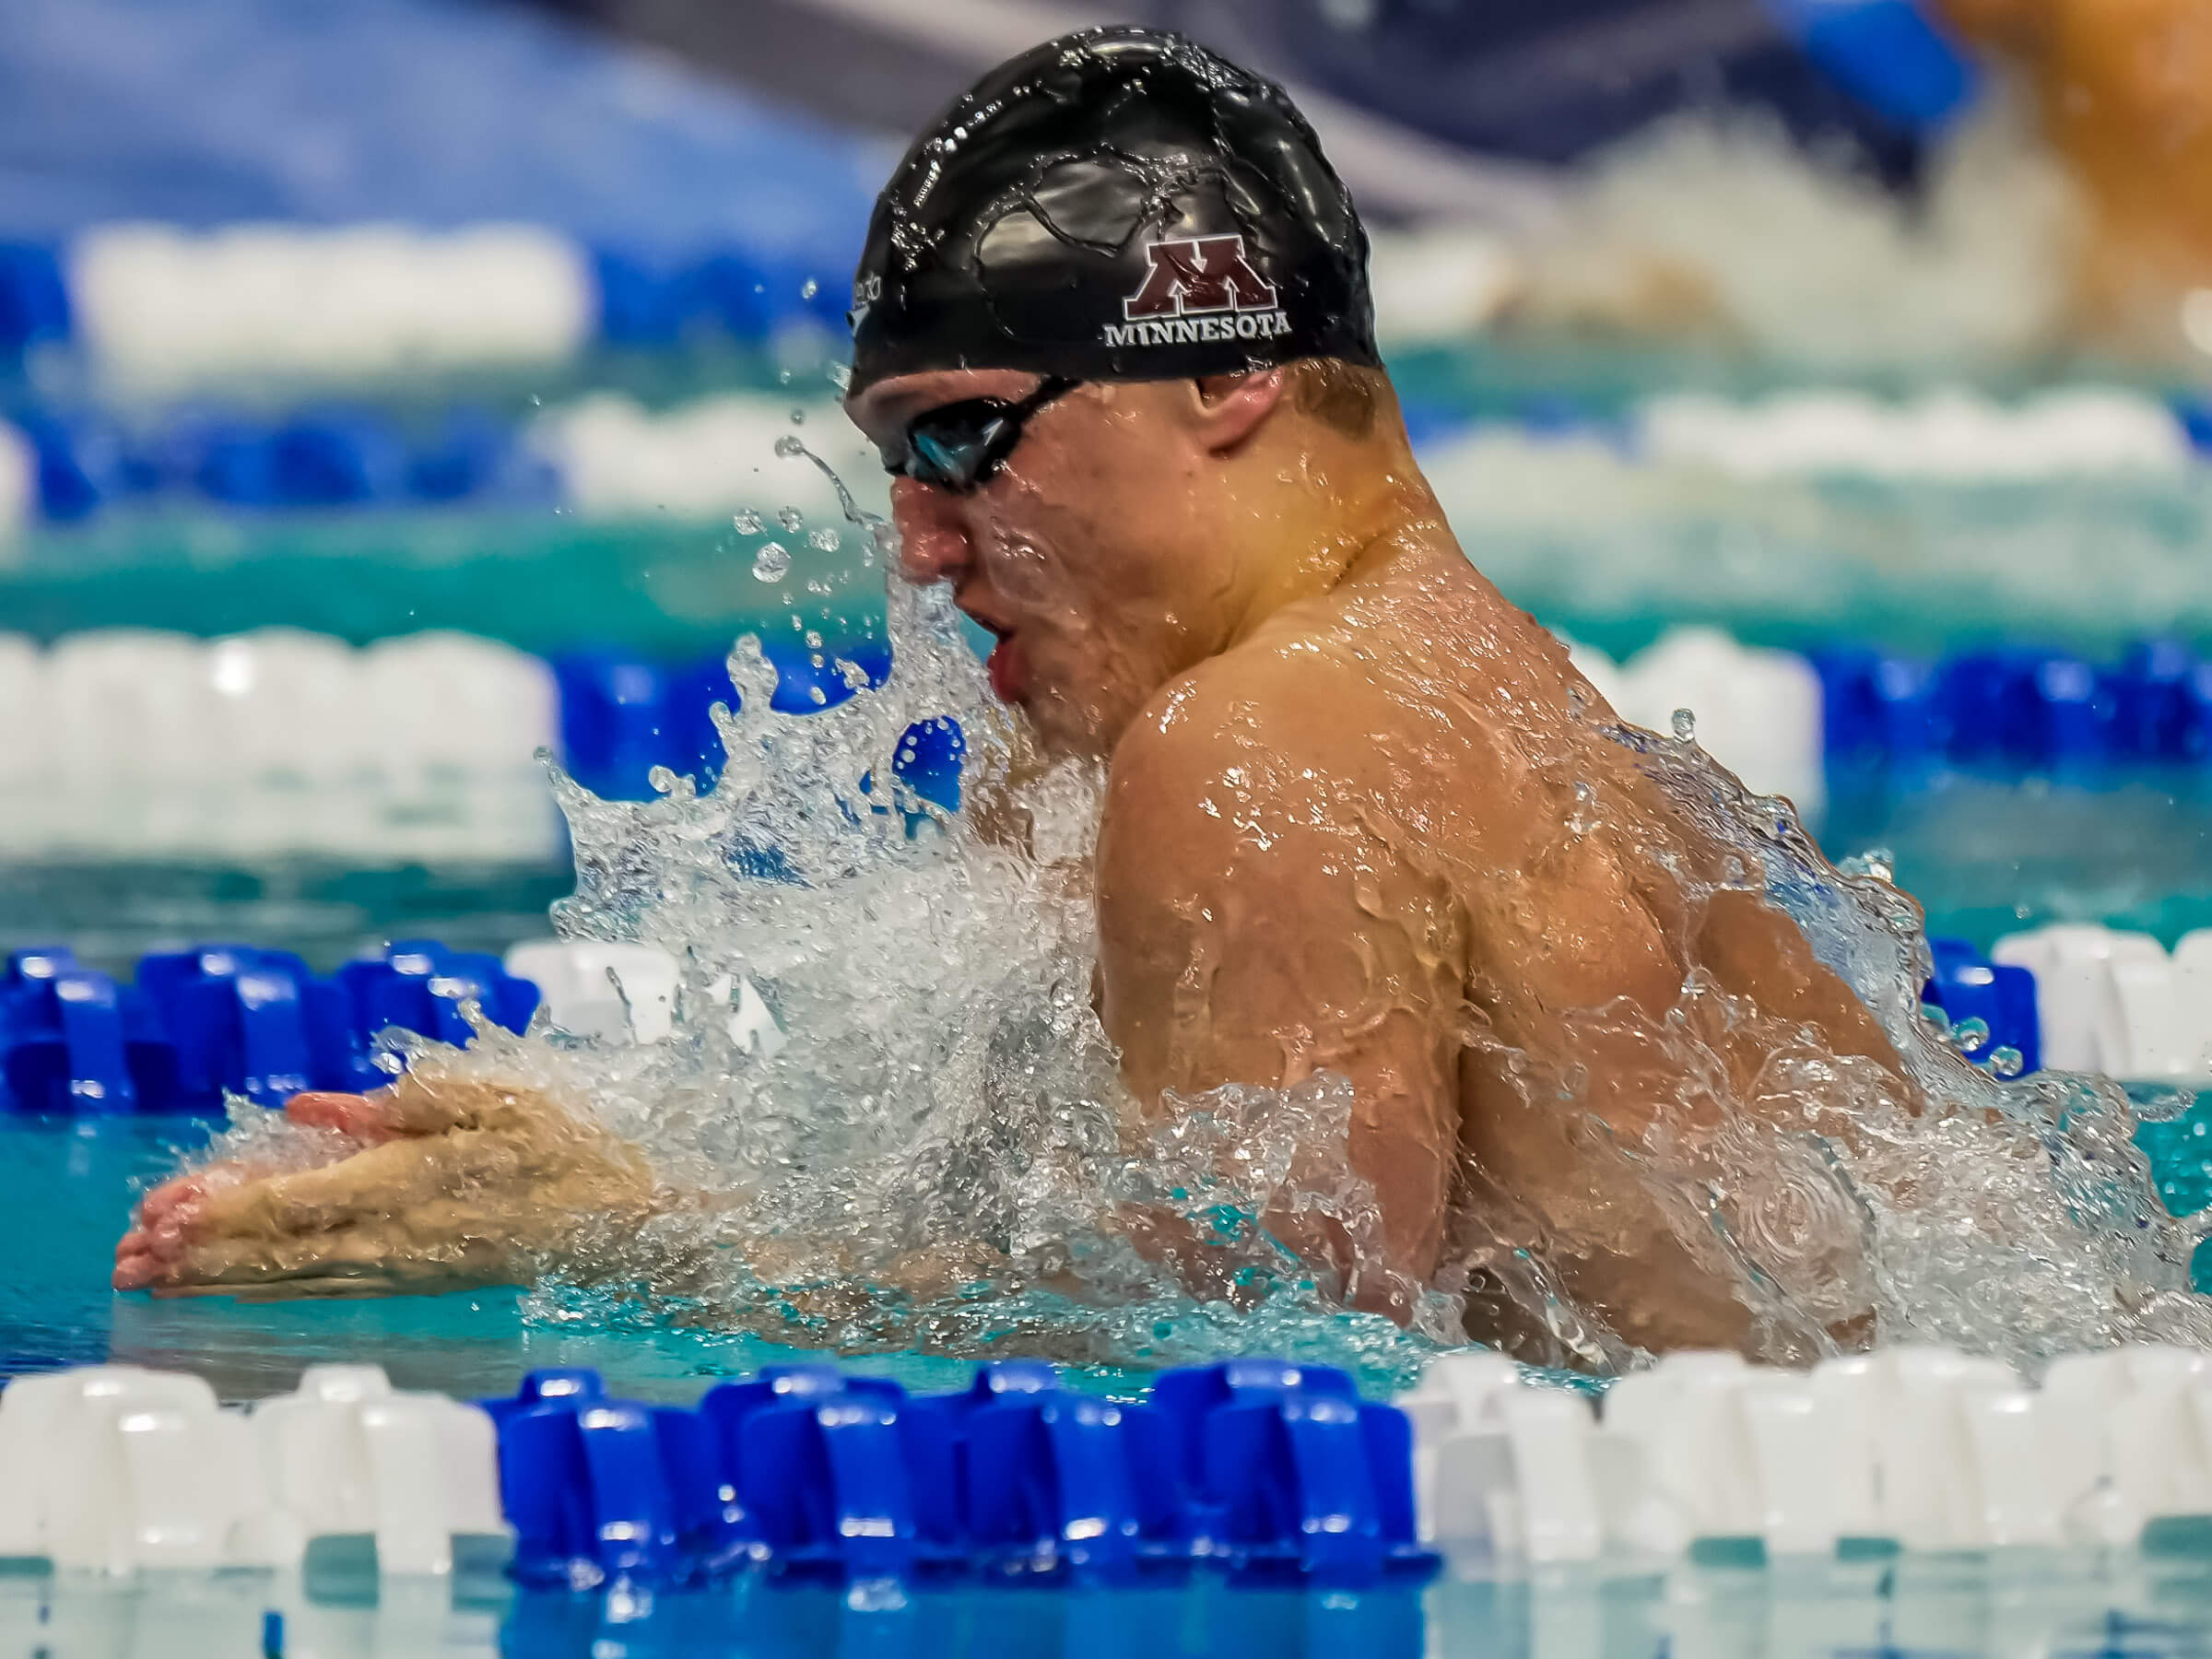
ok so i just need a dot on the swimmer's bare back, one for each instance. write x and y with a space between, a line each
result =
1378 839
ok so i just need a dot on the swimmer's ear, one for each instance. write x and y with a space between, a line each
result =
1227 408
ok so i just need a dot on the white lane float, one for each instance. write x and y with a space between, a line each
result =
1914 1449
2118 1002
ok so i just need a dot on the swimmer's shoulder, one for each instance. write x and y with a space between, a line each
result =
1282 707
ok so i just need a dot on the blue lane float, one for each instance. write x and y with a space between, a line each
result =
1270 1473
1968 986
34 298
2015 709
622 716
1887 718
334 455
195 1025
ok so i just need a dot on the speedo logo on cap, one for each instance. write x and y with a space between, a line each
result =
1198 287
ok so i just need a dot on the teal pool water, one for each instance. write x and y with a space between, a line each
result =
67 1185
68 1188
111 913
2032 1604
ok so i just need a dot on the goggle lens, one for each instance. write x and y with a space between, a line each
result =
958 446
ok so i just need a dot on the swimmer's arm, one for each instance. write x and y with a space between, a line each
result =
1252 930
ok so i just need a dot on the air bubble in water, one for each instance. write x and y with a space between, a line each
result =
772 563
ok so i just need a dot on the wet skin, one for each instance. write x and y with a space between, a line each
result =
1362 817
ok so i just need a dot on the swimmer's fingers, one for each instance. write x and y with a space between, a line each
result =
137 1264
417 1103
177 1193
368 1117
396 1217
388 1183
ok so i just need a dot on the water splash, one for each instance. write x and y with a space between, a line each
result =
938 1153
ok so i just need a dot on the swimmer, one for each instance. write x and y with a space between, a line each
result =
2123 89
1113 335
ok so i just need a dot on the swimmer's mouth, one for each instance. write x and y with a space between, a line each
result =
1009 665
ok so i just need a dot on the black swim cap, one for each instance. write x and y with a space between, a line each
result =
1118 203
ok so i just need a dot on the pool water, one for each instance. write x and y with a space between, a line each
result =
1605 550
1984 855
2051 1606
111 913
68 1185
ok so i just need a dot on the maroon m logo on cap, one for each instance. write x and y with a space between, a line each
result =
1196 275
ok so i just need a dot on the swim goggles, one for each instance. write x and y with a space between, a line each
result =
958 446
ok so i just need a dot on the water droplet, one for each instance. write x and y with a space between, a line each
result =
2006 1061
817 694
792 519
841 377
1685 725
809 288
1971 1036
1937 1021
747 522
814 637
1877 862
824 540
787 446
772 563
798 417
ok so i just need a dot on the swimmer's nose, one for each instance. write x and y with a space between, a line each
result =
932 542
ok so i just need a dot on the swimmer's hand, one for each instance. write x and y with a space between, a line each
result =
456 1181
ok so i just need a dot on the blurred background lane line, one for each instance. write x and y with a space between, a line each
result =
486 327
